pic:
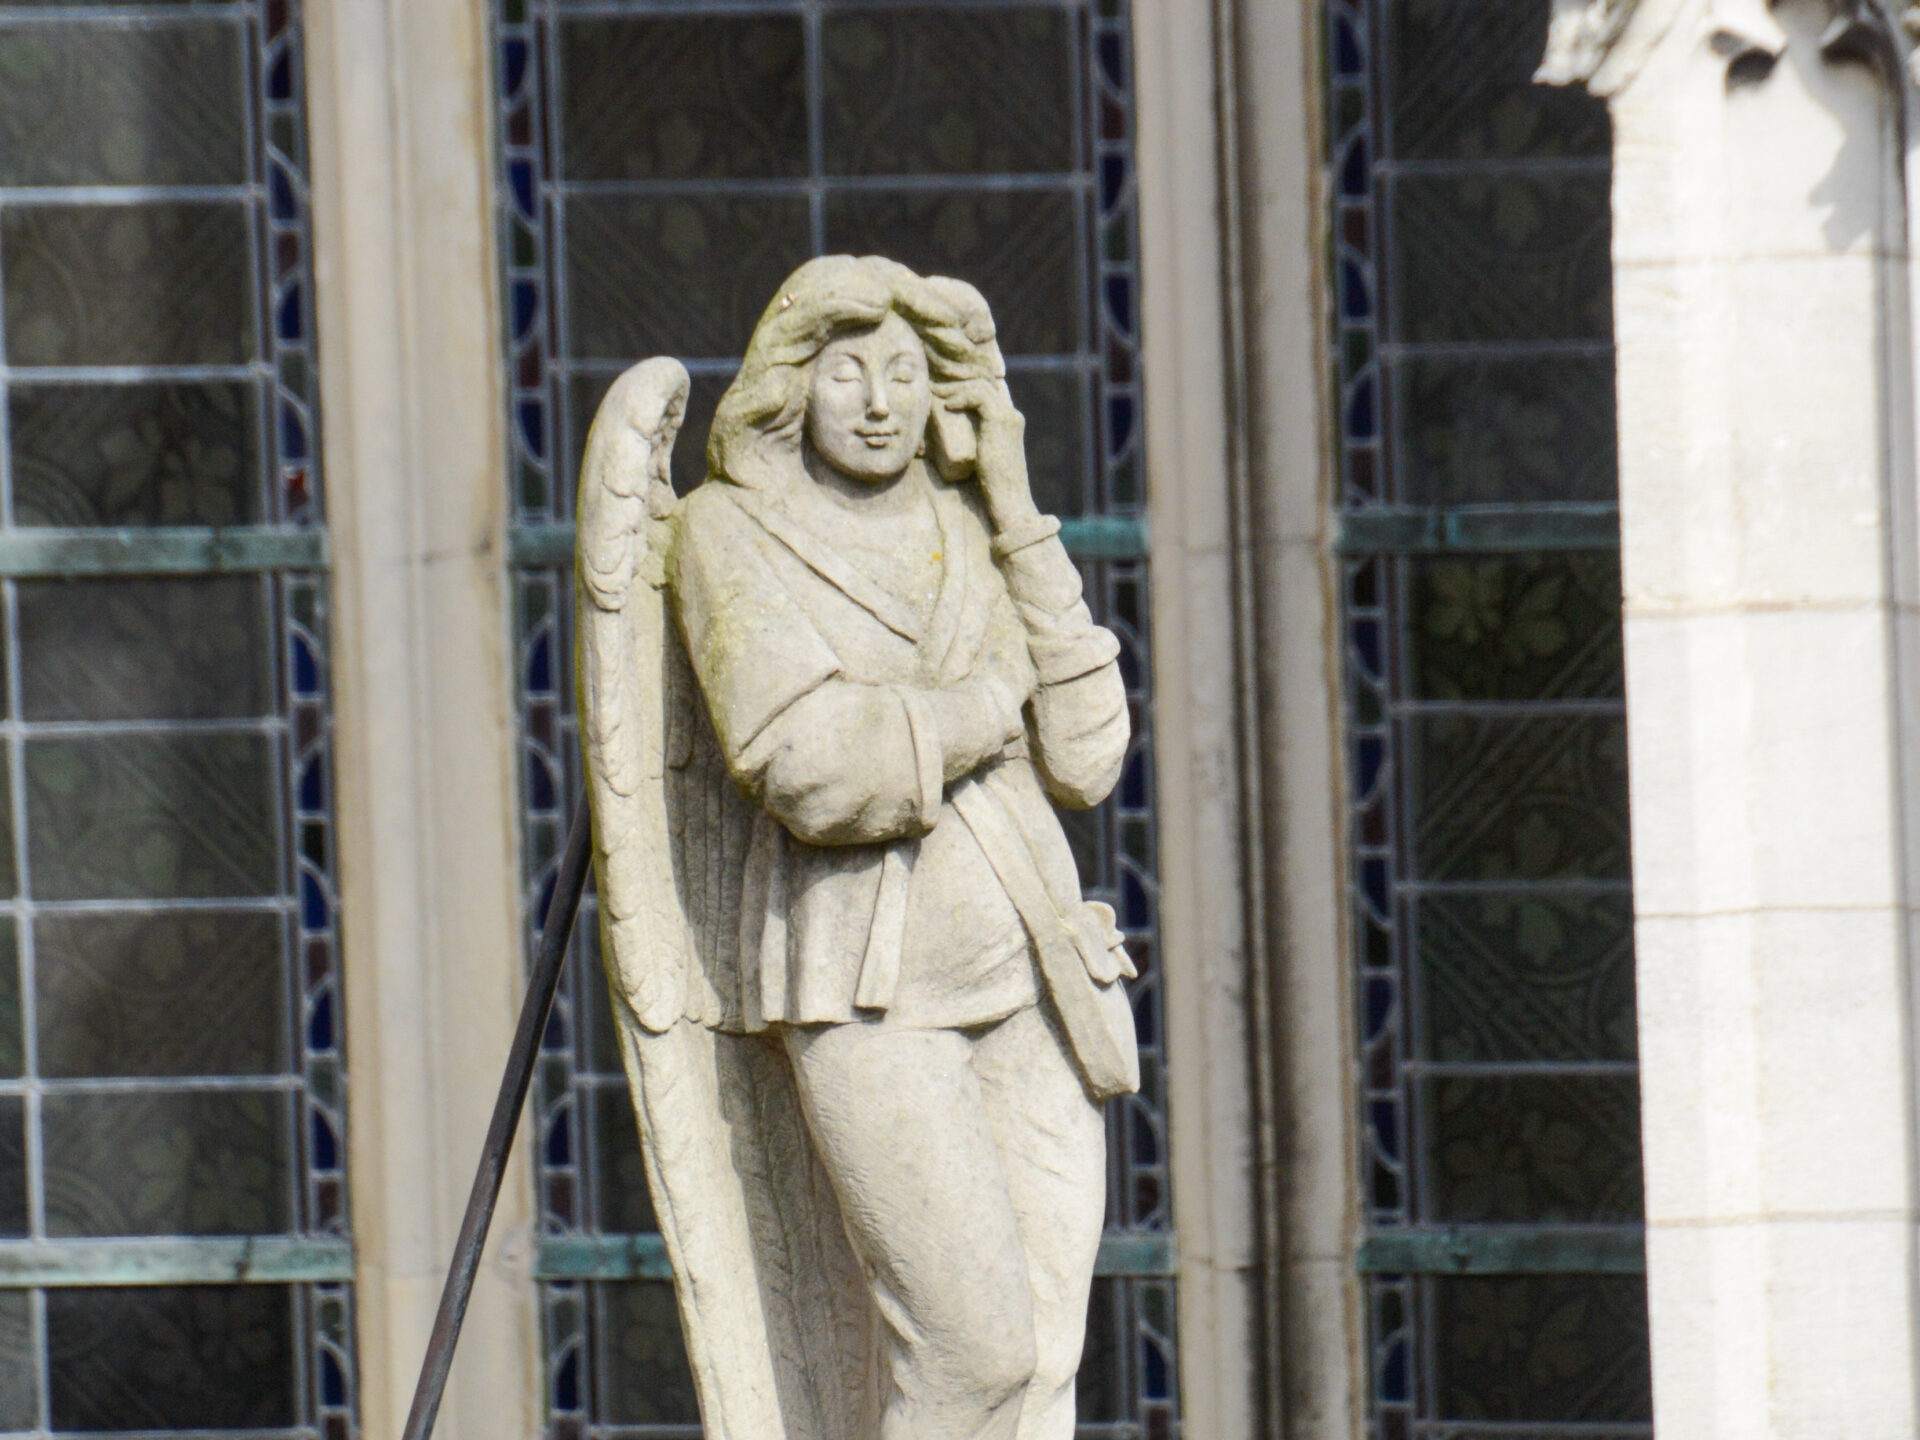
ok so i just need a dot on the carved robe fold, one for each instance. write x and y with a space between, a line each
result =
864 891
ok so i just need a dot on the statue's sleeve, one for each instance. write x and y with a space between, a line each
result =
1080 725
836 761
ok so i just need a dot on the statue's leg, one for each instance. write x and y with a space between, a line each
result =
898 1118
1053 1145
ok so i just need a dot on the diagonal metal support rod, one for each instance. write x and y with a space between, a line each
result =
549 958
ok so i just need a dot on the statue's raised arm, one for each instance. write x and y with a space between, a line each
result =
828 703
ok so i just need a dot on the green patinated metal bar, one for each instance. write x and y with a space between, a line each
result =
644 1257
1494 528
221 1260
549 545
1506 1250
173 550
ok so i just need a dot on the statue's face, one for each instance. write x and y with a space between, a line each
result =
868 402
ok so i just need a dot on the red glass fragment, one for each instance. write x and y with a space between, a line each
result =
1356 229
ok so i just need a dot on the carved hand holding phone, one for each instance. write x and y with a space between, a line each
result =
975 430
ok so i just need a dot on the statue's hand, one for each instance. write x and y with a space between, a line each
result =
1001 466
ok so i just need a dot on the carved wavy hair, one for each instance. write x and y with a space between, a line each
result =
755 439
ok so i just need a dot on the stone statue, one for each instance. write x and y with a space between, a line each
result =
867 1016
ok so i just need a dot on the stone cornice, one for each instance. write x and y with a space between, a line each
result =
1579 38
1584 36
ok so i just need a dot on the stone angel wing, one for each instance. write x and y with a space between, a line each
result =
781 1335
624 508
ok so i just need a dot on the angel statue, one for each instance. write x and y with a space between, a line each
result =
867 1015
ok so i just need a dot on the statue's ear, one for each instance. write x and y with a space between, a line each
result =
951 443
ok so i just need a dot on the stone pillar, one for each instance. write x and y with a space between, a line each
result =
1766 483
411 385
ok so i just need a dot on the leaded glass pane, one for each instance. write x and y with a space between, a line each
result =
170 1049
643 1371
157 1162
662 172
141 452
692 273
1517 627
1489 863
187 649
1521 1349
12 1048
18 1392
13 1166
944 90
197 1357
655 97
125 104
1479 429
166 283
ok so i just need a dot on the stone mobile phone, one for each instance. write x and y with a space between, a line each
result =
952 443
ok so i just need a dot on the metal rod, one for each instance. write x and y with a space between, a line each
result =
549 958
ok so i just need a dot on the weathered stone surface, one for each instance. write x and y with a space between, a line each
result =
828 703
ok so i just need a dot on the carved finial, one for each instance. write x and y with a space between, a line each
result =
1579 37
1746 27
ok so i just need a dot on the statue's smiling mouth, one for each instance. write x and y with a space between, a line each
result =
879 439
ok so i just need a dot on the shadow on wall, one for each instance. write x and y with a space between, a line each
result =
1821 86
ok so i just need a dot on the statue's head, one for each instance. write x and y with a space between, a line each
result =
848 359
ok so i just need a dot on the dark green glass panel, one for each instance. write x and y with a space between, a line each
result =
1486 431
1461 85
620 1178
12 1038
687 275
145 649
206 1162
19 1369
642 1360
9 879
946 91
1501 257
1538 1349
1055 408
1086 837
201 1357
157 284
194 993
1517 627
1525 976
718 97
13 1166
144 454
1538 797
151 817
1018 247
1100 1386
91 104
603 1044
689 451
1532 1149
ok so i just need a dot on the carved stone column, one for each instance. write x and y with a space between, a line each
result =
1766 417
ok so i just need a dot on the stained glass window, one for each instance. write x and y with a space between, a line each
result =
663 168
174 1250
1491 903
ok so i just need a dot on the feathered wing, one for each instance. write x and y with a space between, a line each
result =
782 1336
